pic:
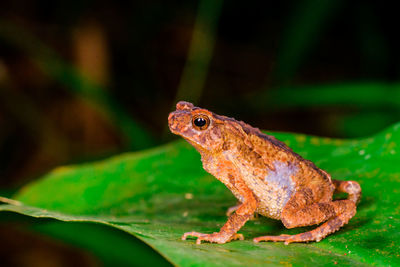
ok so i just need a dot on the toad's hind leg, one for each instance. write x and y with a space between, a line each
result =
341 212
300 211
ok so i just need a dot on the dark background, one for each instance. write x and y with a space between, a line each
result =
84 80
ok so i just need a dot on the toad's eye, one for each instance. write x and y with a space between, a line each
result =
200 122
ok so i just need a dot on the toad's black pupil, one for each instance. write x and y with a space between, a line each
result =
200 122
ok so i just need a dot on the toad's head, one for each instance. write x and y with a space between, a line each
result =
200 127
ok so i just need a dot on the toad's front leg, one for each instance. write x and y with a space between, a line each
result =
235 221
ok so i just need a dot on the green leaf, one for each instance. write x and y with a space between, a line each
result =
156 195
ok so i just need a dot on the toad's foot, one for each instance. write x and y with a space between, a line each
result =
212 238
282 238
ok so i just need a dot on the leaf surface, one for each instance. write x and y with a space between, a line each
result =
158 194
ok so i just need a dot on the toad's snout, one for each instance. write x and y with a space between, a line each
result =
173 122
179 121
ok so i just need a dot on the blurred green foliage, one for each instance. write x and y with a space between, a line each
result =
308 20
49 63
319 67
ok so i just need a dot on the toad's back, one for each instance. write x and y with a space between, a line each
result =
272 171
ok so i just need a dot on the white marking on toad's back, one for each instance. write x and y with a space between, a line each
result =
281 177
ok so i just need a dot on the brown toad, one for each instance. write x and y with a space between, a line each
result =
265 175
